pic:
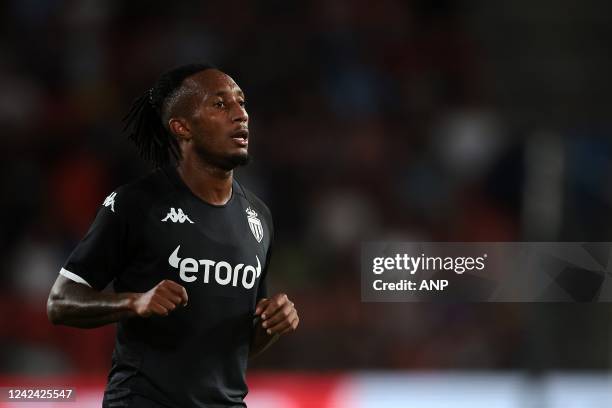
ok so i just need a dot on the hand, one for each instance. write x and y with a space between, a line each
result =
161 300
278 314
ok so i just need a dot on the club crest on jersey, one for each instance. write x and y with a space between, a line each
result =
177 216
255 224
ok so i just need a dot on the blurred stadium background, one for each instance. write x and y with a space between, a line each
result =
407 120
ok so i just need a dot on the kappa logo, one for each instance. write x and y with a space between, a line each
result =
254 224
110 201
222 272
177 216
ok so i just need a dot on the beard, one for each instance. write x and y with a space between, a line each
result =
239 160
225 162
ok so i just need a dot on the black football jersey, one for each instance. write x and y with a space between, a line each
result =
155 229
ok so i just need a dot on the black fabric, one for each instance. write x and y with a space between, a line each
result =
131 401
156 229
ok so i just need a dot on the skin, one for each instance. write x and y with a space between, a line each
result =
209 152
213 138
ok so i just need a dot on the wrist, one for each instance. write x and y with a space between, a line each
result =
131 303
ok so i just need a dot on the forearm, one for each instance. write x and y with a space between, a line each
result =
261 340
80 306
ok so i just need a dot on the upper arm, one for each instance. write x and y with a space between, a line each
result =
63 287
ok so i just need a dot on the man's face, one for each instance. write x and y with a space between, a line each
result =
219 124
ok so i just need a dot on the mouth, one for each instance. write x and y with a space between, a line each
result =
241 137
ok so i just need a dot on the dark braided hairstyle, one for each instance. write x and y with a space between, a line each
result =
146 121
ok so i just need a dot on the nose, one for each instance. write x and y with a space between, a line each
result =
239 114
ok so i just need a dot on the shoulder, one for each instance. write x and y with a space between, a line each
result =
140 193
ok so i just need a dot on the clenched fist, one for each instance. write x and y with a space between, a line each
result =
278 314
166 296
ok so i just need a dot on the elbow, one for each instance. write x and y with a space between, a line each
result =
53 312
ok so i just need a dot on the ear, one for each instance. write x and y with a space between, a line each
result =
180 128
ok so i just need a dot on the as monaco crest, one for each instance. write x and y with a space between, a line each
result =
255 224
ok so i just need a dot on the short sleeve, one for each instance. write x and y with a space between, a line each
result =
99 257
262 290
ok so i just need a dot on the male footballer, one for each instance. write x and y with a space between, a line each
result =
187 249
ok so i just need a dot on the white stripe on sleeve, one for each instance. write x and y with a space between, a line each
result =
73 277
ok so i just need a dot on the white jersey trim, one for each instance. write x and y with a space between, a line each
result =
73 277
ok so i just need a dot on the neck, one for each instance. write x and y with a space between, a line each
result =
209 183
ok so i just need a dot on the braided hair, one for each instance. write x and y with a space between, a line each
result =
146 121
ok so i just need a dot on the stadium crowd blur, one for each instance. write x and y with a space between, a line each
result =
386 120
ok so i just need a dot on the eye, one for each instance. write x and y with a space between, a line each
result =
242 103
219 104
